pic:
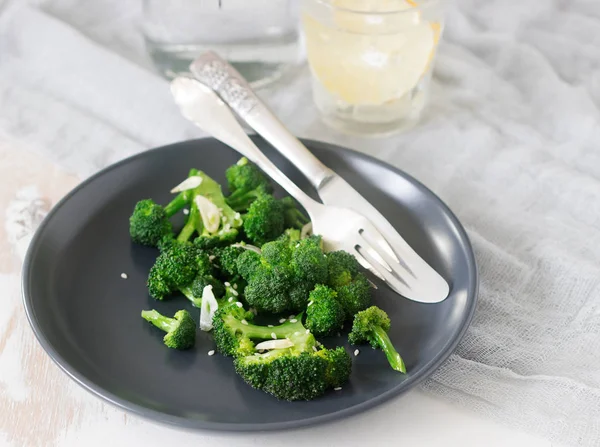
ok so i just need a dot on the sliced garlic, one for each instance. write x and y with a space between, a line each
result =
208 309
189 183
210 214
274 344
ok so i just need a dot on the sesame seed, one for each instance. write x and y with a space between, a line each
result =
308 331
273 335
124 275
269 325
234 292
310 303
235 286
282 320
315 348
337 388
356 352
245 322
211 258
186 211
238 304
211 352
296 333
297 245
293 320
226 284
230 299
237 216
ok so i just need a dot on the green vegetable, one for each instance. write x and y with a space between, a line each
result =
281 278
229 219
372 326
180 330
324 314
176 268
264 220
352 287
302 371
246 183
149 223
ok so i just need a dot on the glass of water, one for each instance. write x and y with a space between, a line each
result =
261 38
371 60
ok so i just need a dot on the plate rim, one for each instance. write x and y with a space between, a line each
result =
197 424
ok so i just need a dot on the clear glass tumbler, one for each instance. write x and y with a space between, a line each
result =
261 38
371 60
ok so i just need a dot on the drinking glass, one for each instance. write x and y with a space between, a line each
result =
371 60
261 38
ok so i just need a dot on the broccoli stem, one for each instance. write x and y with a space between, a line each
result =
176 204
392 355
187 292
165 323
265 333
194 223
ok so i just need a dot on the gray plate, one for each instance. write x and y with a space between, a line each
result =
88 319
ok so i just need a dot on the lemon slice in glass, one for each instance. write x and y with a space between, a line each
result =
370 58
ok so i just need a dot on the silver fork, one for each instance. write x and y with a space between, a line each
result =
341 228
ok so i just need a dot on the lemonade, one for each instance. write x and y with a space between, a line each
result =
371 60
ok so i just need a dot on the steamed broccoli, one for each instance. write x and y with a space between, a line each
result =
281 278
180 330
372 326
229 220
176 267
149 223
324 314
228 336
264 220
352 287
246 183
293 217
355 296
299 371
193 292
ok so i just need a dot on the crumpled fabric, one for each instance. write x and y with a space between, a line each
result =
510 140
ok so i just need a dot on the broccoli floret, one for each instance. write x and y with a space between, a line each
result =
301 371
176 267
230 220
223 238
194 291
149 223
342 266
293 217
228 334
281 278
247 183
226 259
243 177
355 296
180 330
372 326
324 314
309 261
352 287
264 220
339 365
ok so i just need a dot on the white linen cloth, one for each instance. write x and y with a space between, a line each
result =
511 141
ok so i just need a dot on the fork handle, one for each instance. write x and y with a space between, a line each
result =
219 75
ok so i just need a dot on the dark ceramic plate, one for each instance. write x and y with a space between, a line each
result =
88 319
